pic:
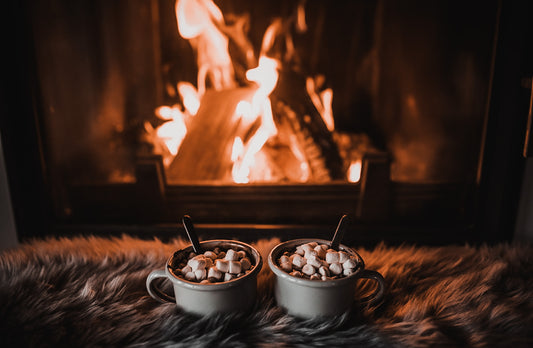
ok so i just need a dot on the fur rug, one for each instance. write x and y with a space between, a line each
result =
91 292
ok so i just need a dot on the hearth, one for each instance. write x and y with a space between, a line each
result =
268 118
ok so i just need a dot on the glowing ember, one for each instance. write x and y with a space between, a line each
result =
354 172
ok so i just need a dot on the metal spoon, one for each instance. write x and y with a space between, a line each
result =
189 228
339 233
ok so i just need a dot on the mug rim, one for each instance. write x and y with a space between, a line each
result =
278 249
219 285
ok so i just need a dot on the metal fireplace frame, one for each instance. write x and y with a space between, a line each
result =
481 211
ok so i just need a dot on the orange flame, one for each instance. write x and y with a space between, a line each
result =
266 76
354 172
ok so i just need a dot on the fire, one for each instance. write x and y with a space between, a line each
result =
354 172
203 24
190 97
266 77
199 22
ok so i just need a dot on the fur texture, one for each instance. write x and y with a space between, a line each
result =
91 292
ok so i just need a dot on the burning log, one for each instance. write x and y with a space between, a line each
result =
205 153
291 101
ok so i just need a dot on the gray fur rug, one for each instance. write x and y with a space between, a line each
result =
91 292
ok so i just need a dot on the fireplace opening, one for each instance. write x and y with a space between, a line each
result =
263 113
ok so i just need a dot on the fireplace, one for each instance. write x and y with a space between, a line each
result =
410 117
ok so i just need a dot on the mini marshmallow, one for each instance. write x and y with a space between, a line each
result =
231 255
332 257
214 273
343 256
200 274
313 244
210 254
300 251
221 255
308 269
186 270
324 246
314 261
335 268
190 276
234 267
348 271
324 271
241 253
222 265
320 251
299 261
349 264
310 253
228 276
205 281
307 247
284 258
286 266
196 263
245 264
208 262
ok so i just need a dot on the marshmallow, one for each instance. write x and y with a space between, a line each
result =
307 247
324 271
234 267
332 257
214 273
320 252
245 264
286 266
231 255
186 270
228 276
349 264
200 274
299 261
208 262
335 268
308 269
348 271
284 258
343 256
314 261
190 276
210 254
197 263
241 254
222 265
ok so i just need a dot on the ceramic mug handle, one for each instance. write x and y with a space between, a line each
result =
377 295
154 290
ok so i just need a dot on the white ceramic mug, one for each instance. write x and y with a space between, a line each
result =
204 299
307 298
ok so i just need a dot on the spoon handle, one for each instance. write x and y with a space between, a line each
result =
189 228
339 233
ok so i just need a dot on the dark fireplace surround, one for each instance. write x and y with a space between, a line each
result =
477 209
